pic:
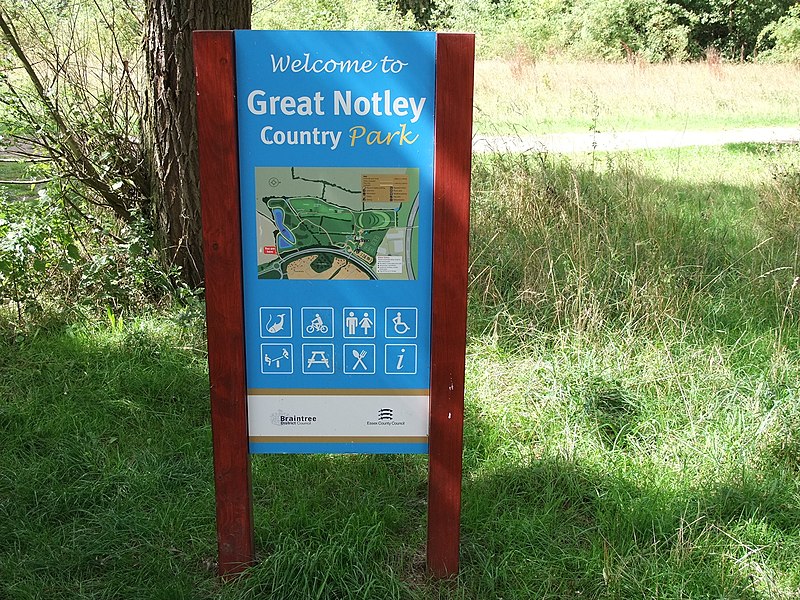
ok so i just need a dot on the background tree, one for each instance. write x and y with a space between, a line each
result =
170 131
421 9
730 26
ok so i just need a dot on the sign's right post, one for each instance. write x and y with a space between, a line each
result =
455 59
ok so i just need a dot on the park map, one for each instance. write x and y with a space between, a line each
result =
337 223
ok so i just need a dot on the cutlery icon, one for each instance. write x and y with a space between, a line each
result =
359 356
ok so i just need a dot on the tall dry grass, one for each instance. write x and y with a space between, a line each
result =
523 96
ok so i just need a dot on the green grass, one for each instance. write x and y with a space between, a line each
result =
632 416
14 171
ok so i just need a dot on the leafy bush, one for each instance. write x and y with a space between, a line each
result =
784 34
731 28
507 28
615 28
330 14
608 29
37 251
55 249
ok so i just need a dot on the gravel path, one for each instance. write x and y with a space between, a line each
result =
631 140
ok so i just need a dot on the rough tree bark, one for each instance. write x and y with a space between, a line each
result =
171 135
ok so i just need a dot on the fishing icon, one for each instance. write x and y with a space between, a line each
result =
276 321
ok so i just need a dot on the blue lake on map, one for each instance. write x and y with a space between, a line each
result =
287 239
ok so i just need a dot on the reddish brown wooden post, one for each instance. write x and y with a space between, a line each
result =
222 248
455 56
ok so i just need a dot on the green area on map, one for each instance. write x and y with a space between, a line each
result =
337 223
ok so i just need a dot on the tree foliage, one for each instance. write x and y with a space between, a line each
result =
783 37
730 26
613 29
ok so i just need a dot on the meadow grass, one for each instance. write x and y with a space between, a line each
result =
527 97
632 415
14 171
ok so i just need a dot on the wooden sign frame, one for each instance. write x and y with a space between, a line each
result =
215 69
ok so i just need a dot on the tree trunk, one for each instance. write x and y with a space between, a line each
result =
171 136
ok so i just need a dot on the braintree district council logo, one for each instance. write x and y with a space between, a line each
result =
283 418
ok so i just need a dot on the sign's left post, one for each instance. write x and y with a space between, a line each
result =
215 71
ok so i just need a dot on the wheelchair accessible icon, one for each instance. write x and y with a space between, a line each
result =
401 322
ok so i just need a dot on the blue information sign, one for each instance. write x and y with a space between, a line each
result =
336 146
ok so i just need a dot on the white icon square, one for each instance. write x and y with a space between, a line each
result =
275 321
358 322
317 321
401 322
277 359
359 359
317 359
400 359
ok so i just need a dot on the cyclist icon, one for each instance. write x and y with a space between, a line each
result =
400 327
317 325
317 322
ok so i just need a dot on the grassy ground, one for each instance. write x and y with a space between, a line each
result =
14 171
633 409
523 97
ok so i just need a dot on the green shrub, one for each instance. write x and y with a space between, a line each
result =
612 29
330 14
58 251
784 34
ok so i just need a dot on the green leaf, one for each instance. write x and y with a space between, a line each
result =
39 265
73 252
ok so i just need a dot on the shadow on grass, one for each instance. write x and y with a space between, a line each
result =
106 485
560 529
106 491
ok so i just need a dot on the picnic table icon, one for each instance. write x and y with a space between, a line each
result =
318 358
